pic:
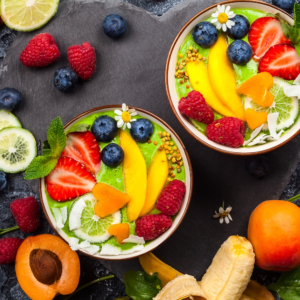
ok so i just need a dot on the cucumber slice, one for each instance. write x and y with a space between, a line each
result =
17 149
87 226
287 107
7 119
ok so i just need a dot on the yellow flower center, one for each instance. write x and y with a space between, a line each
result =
222 18
126 117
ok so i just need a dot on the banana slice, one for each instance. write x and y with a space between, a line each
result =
230 272
182 287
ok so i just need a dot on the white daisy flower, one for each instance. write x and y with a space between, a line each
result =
224 215
222 17
124 116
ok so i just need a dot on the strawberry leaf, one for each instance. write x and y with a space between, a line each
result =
40 167
297 15
56 137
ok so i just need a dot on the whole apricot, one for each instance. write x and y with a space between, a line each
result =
273 231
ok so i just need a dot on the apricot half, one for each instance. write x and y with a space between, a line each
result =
274 233
46 266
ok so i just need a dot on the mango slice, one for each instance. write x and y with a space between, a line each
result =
120 231
135 175
254 118
222 78
109 199
198 76
157 175
257 88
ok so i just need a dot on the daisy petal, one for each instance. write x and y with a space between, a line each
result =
222 8
231 23
133 114
219 25
219 8
215 15
128 125
124 126
224 27
117 118
221 210
216 216
230 13
221 220
124 107
228 25
228 209
229 216
131 111
120 123
118 112
226 220
132 120
213 20
227 9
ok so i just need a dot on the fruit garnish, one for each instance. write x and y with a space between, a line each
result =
255 119
68 180
65 79
281 61
114 26
27 15
41 51
120 231
239 52
240 28
286 5
18 149
141 130
82 59
104 129
46 266
222 18
264 33
124 116
205 34
158 172
112 155
219 67
135 175
109 199
7 119
198 76
257 88
83 147
86 225
223 214
227 131
9 99
194 106
8 250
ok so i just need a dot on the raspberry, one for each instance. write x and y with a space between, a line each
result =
82 59
151 226
8 250
41 51
169 201
195 107
227 131
26 213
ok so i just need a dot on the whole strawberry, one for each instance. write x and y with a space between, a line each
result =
227 131
195 107
26 213
170 199
151 226
8 250
82 59
41 51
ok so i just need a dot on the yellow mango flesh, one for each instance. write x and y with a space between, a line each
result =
198 76
135 175
157 176
222 78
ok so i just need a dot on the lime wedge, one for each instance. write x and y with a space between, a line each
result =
17 149
87 226
27 15
287 107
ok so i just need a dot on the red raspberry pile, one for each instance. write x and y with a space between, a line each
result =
227 131
195 107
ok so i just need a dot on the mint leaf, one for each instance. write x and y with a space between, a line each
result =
80 128
46 149
297 15
141 286
40 167
295 36
56 137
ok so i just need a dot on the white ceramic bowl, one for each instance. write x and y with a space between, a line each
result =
185 204
173 97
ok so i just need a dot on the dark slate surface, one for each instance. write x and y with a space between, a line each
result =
131 70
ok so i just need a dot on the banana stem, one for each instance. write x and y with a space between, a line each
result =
3 231
88 284
294 198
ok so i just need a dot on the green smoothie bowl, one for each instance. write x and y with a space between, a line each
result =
232 77
122 184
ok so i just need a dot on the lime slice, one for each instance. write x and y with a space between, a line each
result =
7 119
86 225
17 149
27 15
287 107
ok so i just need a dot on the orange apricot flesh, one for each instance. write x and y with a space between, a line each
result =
254 118
120 231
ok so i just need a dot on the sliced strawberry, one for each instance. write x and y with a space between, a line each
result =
68 180
281 61
264 33
83 147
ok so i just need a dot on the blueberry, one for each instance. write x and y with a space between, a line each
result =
258 166
141 130
104 129
205 34
112 155
287 5
114 26
9 99
239 52
240 29
3 181
65 79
